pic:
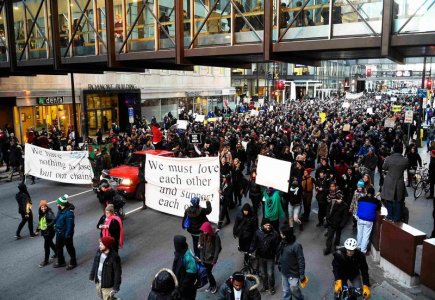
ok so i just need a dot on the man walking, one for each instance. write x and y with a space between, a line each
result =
291 263
106 270
64 225
394 190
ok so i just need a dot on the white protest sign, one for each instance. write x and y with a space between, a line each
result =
200 118
62 166
409 116
254 113
182 124
271 108
345 105
273 172
172 182
370 110
393 99
378 97
390 123
244 144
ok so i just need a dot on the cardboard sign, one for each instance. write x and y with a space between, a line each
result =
172 182
390 123
346 127
409 116
273 172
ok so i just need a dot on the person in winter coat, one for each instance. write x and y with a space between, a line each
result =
322 188
307 193
366 213
348 185
237 176
209 247
46 228
240 287
294 200
108 279
184 268
164 286
64 226
245 225
197 216
336 217
349 264
25 210
265 245
225 198
254 192
394 191
111 225
291 264
273 207
370 161
359 192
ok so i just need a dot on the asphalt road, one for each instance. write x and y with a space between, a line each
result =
148 248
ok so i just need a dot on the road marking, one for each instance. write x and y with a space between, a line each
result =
73 195
136 209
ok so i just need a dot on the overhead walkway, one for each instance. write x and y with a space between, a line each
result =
60 36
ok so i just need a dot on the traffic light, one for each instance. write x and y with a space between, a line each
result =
429 84
280 85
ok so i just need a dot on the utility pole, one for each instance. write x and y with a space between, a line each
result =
420 109
73 95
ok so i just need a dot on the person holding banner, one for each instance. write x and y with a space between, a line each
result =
194 217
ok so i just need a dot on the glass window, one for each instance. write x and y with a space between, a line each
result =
151 108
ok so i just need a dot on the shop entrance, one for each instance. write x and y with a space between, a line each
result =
99 118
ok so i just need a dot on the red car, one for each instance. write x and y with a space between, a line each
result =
127 175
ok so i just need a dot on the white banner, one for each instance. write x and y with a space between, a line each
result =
172 182
62 166
354 96
273 172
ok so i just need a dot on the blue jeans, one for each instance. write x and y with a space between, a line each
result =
290 288
267 268
363 234
393 208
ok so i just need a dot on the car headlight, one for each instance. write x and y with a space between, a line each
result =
126 181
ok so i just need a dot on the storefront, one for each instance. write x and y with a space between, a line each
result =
199 102
42 114
105 104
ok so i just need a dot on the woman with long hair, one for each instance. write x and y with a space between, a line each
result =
46 228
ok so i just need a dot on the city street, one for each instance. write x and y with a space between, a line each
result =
148 248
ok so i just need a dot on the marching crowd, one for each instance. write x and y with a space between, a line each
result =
334 157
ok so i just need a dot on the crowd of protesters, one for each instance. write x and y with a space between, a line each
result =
335 147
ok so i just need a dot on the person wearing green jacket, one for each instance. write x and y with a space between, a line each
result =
272 206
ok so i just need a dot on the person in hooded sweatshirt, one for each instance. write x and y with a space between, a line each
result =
240 287
244 227
366 213
184 268
209 247
197 216
25 210
164 286
272 206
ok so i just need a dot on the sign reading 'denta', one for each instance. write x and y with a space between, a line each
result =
117 86
49 100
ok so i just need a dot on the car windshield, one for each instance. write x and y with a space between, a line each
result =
136 159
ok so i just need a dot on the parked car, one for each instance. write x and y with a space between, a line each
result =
127 175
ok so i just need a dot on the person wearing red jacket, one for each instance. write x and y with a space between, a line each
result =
157 135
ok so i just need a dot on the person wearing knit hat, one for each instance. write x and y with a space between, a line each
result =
46 228
291 263
265 244
65 233
108 279
111 225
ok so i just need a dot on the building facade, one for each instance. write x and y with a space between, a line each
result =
43 101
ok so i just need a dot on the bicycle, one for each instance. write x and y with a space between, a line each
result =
422 185
248 265
349 293
418 175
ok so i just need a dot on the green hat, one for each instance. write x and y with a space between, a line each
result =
63 200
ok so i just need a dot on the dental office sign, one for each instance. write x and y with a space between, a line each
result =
61 166
49 100
172 182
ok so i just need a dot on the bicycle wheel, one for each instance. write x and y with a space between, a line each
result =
414 182
419 189
246 270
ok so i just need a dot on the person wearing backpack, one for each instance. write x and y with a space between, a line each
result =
209 247
164 286
194 217
184 268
